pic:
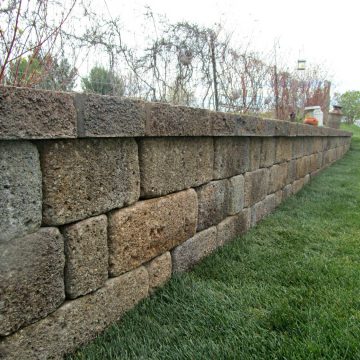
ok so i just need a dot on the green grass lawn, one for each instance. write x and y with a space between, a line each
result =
288 289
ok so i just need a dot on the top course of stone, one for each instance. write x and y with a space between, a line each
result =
38 114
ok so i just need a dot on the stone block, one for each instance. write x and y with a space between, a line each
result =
231 156
313 162
247 125
186 255
87 177
78 321
297 185
256 186
263 208
236 194
172 164
86 254
319 160
283 150
291 171
302 167
277 177
298 147
317 144
255 153
149 228
308 145
287 191
20 189
109 116
306 179
36 114
232 227
278 198
213 199
159 270
267 156
31 278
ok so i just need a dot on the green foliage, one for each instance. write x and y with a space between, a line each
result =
350 102
288 289
103 82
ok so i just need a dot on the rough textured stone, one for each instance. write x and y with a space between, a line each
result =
194 249
159 270
87 177
86 253
256 186
36 114
213 203
255 153
278 198
78 321
172 164
298 148
306 179
308 145
267 157
283 150
149 228
232 227
109 116
287 191
291 171
317 145
277 177
313 162
297 185
302 167
263 208
231 156
31 278
247 125
20 189
236 194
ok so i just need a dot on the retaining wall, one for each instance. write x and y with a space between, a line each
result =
103 198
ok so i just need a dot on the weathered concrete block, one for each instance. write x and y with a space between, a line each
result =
149 228
256 186
231 156
298 147
277 177
278 198
308 145
109 116
291 171
78 321
317 145
268 147
283 150
172 164
213 203
247 125
20 189
36 114
86 253
306 179
194 249
87 177
297 185
302 167
255 153
313 162
319 159
236 194
263 208
159 270
232 227
287 191
31 278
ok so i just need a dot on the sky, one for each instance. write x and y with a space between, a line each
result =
318 31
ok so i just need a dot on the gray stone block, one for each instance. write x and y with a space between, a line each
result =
186 255
36 114
213 199
149 228
78 321
267 157
86 253
31 278
247 125
109 116
87 177
287 191
231 156
291 171
159 270
297 185
283 149
298 147
20 189
232 227
278 175
255 153
236 194
172 164
256 186
263 208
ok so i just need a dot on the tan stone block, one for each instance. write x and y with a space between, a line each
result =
283 149
86 253
298 147
313 162
317 144
278 198
159 270
302 167
31 278
231 156
236 194
255 153
277 177
267 156
86 177
306 179
287 191
172 164
297 185
149 228
77 321
256 186
213 200
263 208
291 171
202 244
232 227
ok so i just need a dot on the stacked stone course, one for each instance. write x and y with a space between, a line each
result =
102 199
